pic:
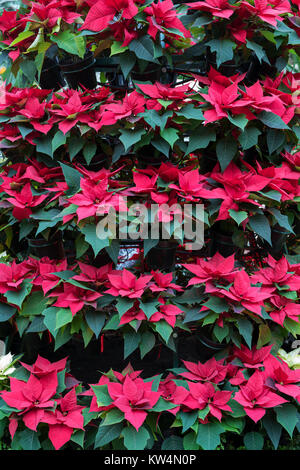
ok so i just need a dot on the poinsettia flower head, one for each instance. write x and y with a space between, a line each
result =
74 297
252 358
279 377
216 268
167 312
255 397
126 284
12 276
173 393
33 398
67 417
91 274
280 273
252 298
24 201
282 308
42 366
218 8
163 282
267 11
205 394
162 16
45 276
102 13
134 398
211 371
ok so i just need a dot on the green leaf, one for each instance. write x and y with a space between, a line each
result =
208 436
189 442
287 416
35 304
95 321
149 308
164 330
123 305
113 416
70 42
102 395
72 178
162 405
172 443
113 250
226 150
131 342
28 439
170 135
200 139
147 343
131 137
58 140
135 440
273 429
190 112
238 216
187 419
6 312
253 441
275 139
217 304
106 434
249 137
154 119
44 145
272 120
127 62
223 48
63 317
246 329
21 37
92 239
17 297
260 225
259 51
282 219
239 121
143 48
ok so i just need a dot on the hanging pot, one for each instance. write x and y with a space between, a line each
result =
117 81
151 74
222 242
162 256
52 248
51 77
97 163
81 72
206 348
149 156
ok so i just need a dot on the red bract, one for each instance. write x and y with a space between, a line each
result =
8 20
134 398
163 282
97 276
173 393
74 298
216 268
35 112
130 106
104 12
34 398
126 284
255 397
70 112
24 201
211 371
278 376
279 272
252 358
219 8
191 185
266 11
43 366
162 16
167 312
159 91
67 417
202 395
95 199
12 276
282 308
45 277
249 297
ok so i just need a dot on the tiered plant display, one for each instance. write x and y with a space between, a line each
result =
145 344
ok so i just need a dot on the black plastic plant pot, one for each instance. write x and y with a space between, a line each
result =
222 243
51 76
117 81
162 256
52 248
278 237
81 72
149 156
152 74
206 348
97 163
